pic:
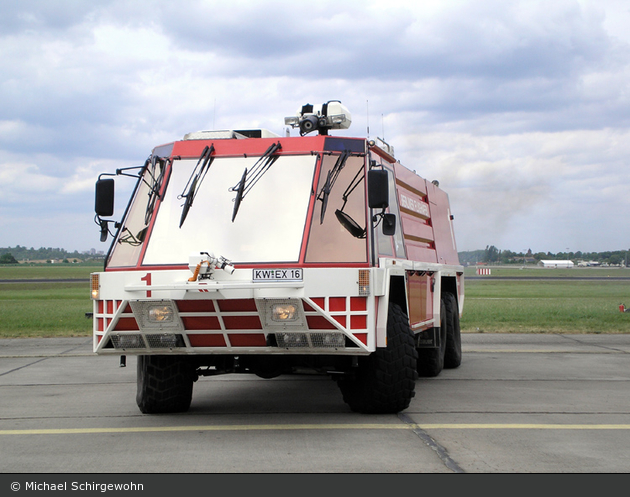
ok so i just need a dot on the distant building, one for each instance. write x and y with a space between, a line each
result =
588 263
556 264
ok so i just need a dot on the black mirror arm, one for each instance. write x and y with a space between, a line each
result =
104 225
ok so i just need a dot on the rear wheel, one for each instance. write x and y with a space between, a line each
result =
165 383
431 359
453 355
385 381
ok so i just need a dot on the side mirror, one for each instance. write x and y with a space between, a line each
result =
350 224
389 224
378 189
104 202
378 198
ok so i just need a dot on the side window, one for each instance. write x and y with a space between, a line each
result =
391 245
383 242
397 239
328 240
128 245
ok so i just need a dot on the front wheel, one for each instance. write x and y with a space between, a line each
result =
385 381
165 383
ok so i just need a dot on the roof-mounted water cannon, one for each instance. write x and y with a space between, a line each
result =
331 115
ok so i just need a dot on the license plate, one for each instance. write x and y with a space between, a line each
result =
277 275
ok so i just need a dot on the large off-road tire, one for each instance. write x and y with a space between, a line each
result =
453 355
385 381
431 359
165 383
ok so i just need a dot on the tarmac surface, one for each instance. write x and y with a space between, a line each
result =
519 403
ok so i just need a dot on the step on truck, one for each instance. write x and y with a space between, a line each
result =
242 251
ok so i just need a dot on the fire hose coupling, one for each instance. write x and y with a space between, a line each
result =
203 264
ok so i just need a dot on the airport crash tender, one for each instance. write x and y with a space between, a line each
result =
242 251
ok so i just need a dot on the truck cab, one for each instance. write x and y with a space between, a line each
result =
242 251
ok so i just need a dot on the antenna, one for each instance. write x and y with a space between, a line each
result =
383 126
367 108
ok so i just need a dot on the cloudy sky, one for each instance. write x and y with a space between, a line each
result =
521 109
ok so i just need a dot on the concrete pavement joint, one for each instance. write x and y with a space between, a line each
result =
441 452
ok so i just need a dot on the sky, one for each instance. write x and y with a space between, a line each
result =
520 109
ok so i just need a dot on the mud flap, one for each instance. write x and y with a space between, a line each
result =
428 338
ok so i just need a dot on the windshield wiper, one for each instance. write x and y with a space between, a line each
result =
331 178
196 177
247 181
156 168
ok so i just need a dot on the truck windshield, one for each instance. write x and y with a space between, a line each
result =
271 223
269 226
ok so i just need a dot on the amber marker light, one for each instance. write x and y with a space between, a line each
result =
364 282
95 287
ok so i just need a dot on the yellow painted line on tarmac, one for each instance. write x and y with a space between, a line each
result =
285 427
542 351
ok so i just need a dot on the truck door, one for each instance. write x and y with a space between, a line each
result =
391 246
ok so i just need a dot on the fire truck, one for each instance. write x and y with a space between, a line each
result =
243 251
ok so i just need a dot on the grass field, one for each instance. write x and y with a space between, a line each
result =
47 271
577 300
569 304
540 272
45 309
546 306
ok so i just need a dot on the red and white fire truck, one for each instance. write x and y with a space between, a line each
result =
242 251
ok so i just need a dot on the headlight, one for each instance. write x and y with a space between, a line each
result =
332 340
129 341
161 314
284 312
156 315
281 314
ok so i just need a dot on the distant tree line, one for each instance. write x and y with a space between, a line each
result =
7 259
489 255
492 254
13 255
